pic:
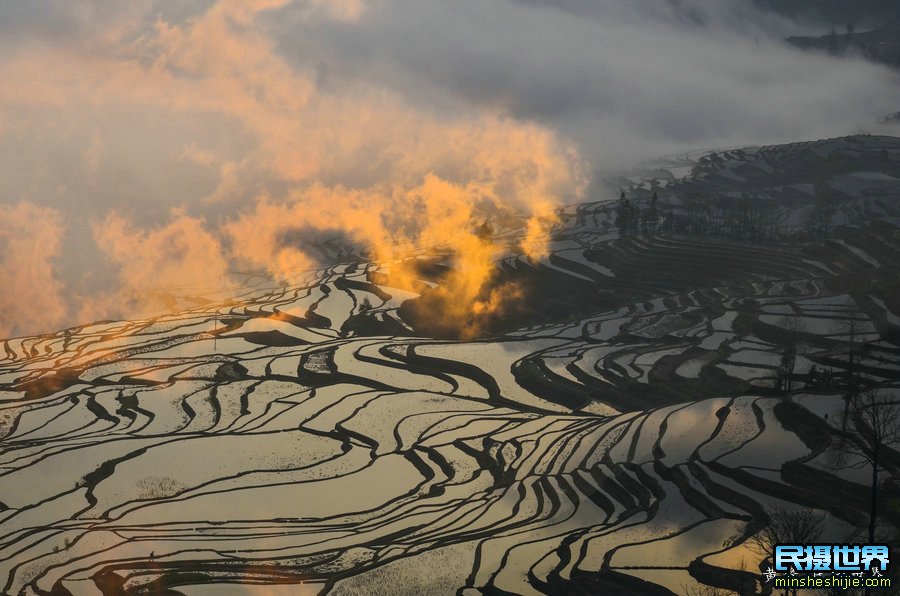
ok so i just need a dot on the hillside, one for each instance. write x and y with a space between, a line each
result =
651 400
865 13
881 45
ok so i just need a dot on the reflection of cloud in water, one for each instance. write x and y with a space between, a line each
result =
288 451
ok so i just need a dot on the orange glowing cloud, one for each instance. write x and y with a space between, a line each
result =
181 255
30 240
358 160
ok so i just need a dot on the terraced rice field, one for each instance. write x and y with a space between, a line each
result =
264 445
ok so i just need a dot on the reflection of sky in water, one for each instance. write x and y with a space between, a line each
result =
265 464
309 589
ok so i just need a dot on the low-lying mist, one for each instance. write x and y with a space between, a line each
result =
158 145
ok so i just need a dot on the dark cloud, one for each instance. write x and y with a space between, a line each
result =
624 79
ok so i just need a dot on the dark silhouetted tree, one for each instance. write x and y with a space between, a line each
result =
853 379
650 219
833 43
876 429
786 526
627 216
790 328
820 219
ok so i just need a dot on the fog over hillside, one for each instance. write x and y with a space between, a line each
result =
189 119
862 13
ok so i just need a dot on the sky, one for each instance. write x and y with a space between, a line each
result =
156 144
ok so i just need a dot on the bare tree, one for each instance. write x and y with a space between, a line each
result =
853 376
787 526
852 325
790 328
627 216
876 419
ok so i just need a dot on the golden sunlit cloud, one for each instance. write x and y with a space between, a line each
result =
181 255
359 161
30 240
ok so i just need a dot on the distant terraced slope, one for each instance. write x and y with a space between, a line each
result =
293 440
